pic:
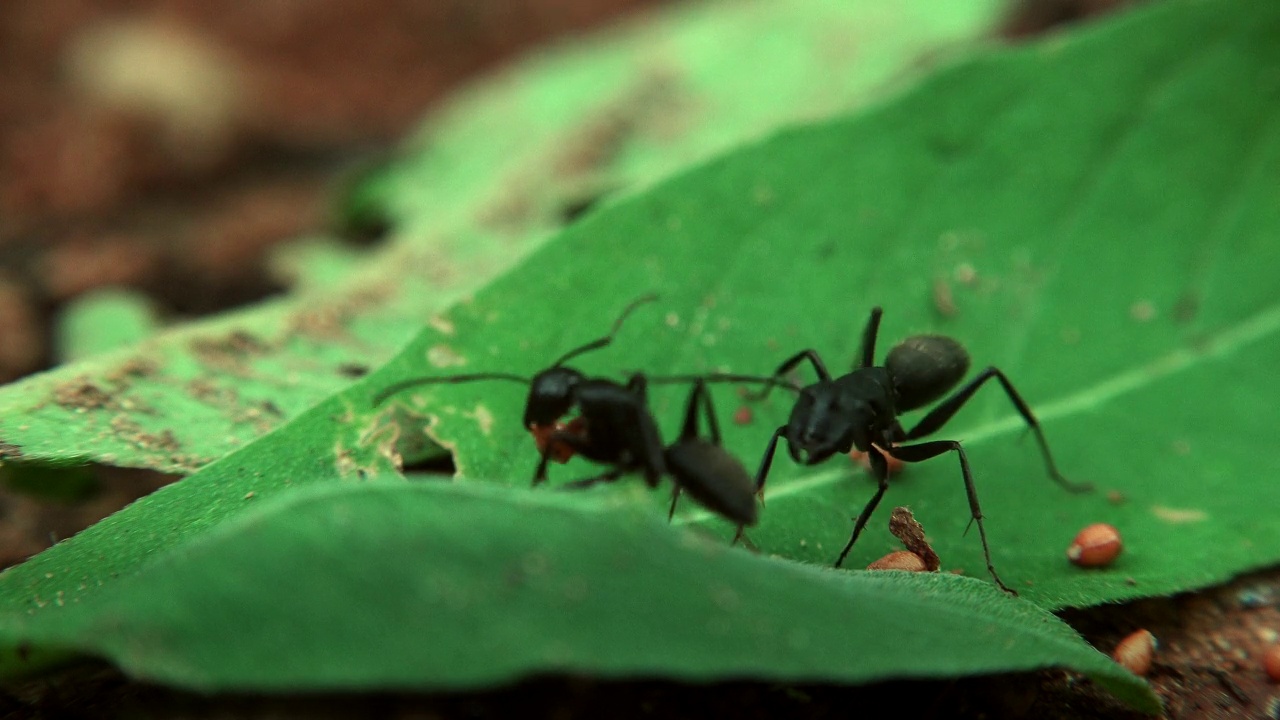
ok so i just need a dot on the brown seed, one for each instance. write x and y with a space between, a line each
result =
1096 546
899 560
1271 661
906 528
1135 651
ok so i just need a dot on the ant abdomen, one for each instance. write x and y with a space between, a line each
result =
714 478
924 368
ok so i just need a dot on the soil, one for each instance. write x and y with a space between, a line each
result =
183 197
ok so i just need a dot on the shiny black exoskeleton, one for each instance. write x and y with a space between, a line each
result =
859 410
702 467
613 426
621 429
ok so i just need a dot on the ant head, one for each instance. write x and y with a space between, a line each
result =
551 396
823 421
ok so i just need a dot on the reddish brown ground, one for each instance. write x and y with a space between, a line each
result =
185 204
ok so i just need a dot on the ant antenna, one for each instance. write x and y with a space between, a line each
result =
601 342
450 379
725 377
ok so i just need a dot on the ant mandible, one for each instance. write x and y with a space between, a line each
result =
859 410
615 427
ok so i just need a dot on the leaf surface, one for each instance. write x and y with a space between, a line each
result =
446 585
1099 211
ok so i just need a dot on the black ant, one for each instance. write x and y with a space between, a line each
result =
859 410
615 427
703 468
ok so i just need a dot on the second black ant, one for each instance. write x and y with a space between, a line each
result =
614 427
860 410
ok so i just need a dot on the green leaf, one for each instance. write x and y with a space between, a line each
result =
1079 179
442 585
488 179
103 321
639 102
1112 192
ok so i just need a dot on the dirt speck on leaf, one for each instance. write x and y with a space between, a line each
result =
1179 516
484 418
207 391
1142 311
441 324
944 301
598 140
327 321
229 353
443 356
578 162
135 367
130 431
82 394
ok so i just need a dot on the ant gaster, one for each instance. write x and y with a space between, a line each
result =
615 427
703 468
859 410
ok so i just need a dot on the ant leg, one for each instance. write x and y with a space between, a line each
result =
540 474
879 468
943 412
924 451
609 476
675 496
700 391
638 385
867 350
767 461
607 339
690 429
788 365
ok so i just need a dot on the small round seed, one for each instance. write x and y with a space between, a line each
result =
899 560
1097 545
1135 651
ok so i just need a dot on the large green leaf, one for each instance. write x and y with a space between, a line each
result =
1086 181
445 585
1080 179
488 179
